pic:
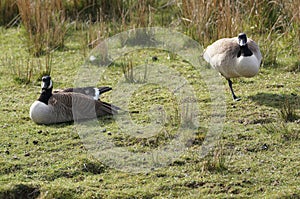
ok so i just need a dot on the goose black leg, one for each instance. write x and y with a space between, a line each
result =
235 98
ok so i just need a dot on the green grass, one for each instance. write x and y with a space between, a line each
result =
257 155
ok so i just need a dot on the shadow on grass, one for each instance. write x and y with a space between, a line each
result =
276 100
104 120
21 191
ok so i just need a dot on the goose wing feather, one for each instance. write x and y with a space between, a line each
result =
255 49
75 106
221 52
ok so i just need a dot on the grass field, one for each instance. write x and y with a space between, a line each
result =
167 101
256 156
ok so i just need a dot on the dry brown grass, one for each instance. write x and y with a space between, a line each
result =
123 16
270 23
8 12
206 21
45 24
273 24
214 19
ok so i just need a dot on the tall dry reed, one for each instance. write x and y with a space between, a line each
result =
271 23
45 24
127 15
209 20
8 12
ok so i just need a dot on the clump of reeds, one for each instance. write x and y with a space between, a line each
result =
270 23
45 24
8 12
275 25
215 161
281 131
130 76
287 112
206 21
24 70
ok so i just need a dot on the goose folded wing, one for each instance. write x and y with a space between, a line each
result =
255 49
77 105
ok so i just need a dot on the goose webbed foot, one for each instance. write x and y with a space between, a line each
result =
235 98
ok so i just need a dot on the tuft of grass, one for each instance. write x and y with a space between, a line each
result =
295 68
215 161
23 71
282 132
187 116
130 76
94 167
128 71
287 112
141 37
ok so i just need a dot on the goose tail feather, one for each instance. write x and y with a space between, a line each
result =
104 89
107 109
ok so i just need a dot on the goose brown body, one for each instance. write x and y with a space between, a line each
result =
60 107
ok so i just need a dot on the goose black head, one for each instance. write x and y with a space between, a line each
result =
46 83
242 39
46 89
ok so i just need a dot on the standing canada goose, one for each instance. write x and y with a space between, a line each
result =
234 57
93 92
60 107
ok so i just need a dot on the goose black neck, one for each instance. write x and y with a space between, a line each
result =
45 95
244 51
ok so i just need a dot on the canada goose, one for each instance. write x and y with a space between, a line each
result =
60 107
89 91
234 57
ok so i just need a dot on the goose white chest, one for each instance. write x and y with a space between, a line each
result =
247 66
239 67
39 112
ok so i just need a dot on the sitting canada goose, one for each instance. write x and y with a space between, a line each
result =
234 57
60 107
89 91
